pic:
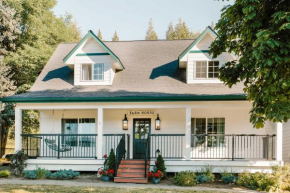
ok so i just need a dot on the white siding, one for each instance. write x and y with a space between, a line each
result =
106 60
286 142
191 59
91 46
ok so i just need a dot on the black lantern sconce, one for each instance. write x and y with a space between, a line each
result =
157 123
157 152
125 123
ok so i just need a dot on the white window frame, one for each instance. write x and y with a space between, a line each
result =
92 72
207 67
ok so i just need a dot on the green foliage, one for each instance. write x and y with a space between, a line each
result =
115 37
29 174
205 175
100 35
229 177
39 173
181 31
258 32
160 165
64 175
4 174
185 178
111 160
151 34
18 162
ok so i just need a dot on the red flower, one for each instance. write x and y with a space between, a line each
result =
156 175
101 172
105 156
156 162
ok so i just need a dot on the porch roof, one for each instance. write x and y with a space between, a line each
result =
151 74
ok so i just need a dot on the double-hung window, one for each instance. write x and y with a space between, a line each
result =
206 132
206 69
92 72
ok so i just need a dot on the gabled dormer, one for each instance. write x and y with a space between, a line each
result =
93 62
200 66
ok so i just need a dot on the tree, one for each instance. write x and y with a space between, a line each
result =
170 32
115 37
9 29
258 32
151 34
111 160
160 165
181 31
100 35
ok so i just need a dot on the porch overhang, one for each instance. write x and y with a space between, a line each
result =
124 99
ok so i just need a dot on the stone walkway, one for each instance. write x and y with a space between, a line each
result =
114 185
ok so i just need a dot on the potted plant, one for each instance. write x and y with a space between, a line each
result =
156 175
106 173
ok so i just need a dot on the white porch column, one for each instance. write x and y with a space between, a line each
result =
18 128
100 133
187 132
279 141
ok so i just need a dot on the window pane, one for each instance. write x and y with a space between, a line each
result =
86 72
215 126
69 126
201 69
213 69
98 71
87 126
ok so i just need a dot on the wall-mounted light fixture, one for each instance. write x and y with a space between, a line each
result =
157 123
125 123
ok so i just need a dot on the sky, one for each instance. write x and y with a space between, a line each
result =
130 17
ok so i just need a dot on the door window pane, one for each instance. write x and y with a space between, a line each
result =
98 71
201 69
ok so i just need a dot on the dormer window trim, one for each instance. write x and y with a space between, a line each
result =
92 71
207 70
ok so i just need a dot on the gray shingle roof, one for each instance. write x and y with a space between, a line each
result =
151 70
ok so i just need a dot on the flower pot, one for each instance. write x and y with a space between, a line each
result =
156 180
106 178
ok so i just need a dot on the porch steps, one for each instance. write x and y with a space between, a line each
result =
132 171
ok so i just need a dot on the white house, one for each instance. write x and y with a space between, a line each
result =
142 98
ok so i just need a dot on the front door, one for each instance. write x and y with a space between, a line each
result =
141 130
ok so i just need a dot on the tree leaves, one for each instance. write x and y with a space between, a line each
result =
258 31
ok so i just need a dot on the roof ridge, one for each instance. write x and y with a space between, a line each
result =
161 40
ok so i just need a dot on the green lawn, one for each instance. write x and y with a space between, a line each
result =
82 189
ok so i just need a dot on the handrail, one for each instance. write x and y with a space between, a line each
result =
147 154
120 153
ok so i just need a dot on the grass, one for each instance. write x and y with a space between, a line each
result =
83 189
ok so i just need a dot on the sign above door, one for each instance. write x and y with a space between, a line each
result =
142 113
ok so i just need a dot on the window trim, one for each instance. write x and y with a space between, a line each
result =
207 67
92 72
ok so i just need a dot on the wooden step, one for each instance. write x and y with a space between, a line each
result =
131 170
131 180
133 166
134 161
131 175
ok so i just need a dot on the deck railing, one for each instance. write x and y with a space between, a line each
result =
223 146
168 145
120 152
111 141
60 145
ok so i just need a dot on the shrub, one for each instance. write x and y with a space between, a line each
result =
39 173
64 175
229 178
205 175
4 173
185 178
112 160
29 174
18 163
159 163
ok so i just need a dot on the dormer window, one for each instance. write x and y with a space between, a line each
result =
206 70
93 71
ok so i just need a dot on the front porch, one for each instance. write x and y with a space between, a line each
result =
228 143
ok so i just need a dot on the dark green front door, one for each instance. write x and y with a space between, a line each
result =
141 130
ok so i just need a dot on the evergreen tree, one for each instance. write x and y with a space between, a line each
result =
111 160
151 34
212 25
170 33
160 165
100 35
115 37
181 30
